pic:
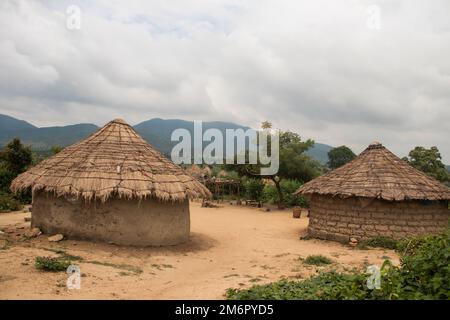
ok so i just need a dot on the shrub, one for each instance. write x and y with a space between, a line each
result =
380 242
288 187
51 264
424 273
9 203
318 260
6 176
253 189
325 286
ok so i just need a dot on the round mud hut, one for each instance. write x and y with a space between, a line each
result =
376 194
115 187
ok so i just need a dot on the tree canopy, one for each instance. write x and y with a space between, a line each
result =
293 162
15 158
430 162
340 156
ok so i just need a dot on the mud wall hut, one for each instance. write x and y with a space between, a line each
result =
376 194
113 186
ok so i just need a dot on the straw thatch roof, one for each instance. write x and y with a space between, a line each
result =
114 161
377 173
195 171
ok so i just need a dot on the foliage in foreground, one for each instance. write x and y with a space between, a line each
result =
380 242
52 264
424 273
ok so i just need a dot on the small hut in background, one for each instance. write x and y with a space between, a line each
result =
201 174
376 194
112 186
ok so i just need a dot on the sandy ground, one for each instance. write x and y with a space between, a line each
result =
230 247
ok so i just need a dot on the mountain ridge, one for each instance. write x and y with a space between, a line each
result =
156 131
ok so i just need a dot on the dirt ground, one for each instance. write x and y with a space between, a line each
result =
230 246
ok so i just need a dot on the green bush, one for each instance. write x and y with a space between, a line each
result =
253 189
288 187
51 264
6 177
380 242
424 273
9 203
318 260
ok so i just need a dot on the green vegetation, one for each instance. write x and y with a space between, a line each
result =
424 273
288 187
9 203
51 264
429 161
15 158
253 188
294 163
340 156
125 267
64 255
379 242
56 149
318 260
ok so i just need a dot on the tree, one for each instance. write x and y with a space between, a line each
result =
293 162
340 156
429 161
16 157
56 149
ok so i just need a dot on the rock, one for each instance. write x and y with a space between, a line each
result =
27 219
25 210
33 233
264 209
56 238
1 232
353 242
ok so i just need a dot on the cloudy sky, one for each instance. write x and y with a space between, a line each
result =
340 72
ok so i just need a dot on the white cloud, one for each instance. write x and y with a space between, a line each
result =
313 67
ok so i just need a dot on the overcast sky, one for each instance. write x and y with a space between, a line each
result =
330 70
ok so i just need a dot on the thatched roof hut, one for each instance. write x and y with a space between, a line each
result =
376 194
116 187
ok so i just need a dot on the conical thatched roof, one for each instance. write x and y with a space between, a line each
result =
114 161
377 173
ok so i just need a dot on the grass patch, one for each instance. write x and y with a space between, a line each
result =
51 264
317 260
64 255
378 242
125 267
161 266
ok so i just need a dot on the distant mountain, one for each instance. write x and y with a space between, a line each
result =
10 123
319 152
448 168
42 139
156 131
